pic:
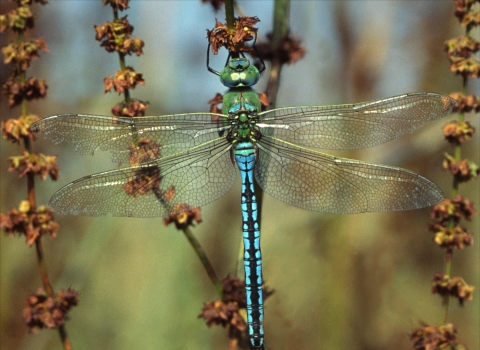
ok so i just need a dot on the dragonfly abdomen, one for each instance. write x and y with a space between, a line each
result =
252 258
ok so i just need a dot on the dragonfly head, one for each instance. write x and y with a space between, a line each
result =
239 72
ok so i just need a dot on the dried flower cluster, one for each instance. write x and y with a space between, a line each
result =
452 286
466 104
117 4
20 89
20 54
18 92
463 169
36 163
123 80
42 311
461 48
289 50
15 130
31 223
235 41
116 36
433 338
132 109
184 215
20 19
23 53
227 311
144 179
458 132
449 234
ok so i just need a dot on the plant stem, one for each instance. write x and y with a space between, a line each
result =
123 65
281 14
451 224
67 345
204 259
230 15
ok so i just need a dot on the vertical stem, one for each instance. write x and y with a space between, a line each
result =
26 140
446 271
123 67
21 74
31 187
455 187
121 57
230 15
281 13
281 18
67 345
204 259
42 269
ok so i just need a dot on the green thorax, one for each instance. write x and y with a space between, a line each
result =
241 106
232 99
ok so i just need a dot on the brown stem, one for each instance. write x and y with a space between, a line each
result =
41 268
67 345
204 259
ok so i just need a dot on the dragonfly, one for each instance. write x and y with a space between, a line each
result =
192 159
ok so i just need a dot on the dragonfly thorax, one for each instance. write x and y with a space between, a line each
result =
239 72
243 118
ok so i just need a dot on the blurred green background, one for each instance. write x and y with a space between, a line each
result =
341 281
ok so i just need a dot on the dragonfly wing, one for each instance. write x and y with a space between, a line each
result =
320 182
89 133
358 125
158 188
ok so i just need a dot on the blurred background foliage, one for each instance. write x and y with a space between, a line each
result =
341 281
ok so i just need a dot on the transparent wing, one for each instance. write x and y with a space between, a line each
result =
320 182
173 133
159 188
355 125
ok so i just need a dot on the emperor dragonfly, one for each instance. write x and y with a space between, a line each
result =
190 159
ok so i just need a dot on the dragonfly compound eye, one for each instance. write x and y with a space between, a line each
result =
238 64
239 72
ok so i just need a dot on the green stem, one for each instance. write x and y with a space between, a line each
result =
203 258
281 19
446 272
445 303
230 15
